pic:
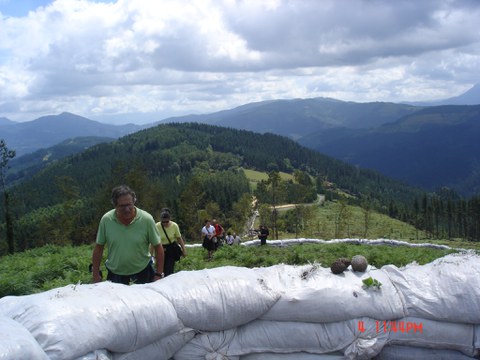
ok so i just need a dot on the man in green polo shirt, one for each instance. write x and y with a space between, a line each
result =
127 231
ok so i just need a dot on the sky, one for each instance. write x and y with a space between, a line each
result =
141 61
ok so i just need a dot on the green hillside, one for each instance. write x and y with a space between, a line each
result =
197 171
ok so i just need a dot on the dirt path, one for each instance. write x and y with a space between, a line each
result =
251 221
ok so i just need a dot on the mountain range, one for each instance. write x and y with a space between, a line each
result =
46 131
424 145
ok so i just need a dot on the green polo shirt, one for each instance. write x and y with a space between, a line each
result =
128 245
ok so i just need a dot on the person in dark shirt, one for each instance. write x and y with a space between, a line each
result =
263 234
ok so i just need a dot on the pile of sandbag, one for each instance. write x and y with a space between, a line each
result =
278 312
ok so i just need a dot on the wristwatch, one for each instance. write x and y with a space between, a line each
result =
162 275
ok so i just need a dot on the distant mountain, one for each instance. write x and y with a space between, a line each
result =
470 97
5 121
27 137
300 117
371 135
24 167
432 148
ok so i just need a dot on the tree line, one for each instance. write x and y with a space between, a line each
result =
197 171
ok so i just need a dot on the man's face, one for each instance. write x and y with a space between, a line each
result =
125 206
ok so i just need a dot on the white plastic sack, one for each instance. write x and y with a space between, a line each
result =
261 336
216 299
432 334
286 337
293 356
476 343
314 294
16 342
72 321
398 352
97 355
160 350
447 289
208 346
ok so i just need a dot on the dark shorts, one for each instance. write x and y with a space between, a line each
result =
145 276
209 244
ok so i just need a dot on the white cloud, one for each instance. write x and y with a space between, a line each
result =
175 57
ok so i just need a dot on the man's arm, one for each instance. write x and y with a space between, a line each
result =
96 259
160 258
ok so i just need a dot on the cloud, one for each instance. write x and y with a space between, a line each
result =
172 57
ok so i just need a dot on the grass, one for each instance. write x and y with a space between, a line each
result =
379 225
255 177
50 267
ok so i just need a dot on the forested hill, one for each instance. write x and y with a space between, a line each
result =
183 166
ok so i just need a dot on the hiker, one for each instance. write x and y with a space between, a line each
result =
171 239
263 234
236 239
219 233
229 239
208 233
127 231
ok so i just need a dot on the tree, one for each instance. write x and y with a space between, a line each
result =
241 210
68 220
342 218
190 203
6 156
274 180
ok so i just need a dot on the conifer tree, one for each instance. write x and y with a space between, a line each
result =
6 156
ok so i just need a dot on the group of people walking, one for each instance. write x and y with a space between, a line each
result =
141 250
214 237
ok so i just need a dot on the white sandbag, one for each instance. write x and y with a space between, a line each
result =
97 355
72 321
293 356
285 337
208 346
398 352
160 350
217 299
476 342
16 342
262 336
314 294
447 289
432 334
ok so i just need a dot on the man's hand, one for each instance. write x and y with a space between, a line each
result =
96 278
158 276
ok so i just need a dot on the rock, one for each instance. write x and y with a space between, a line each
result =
359 263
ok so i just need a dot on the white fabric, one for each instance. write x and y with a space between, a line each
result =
217 299
433 334
97 355
161 349
234 313
312 293
447 289
397 352
208 345
74 320
16 342
285 337
261 336
293 356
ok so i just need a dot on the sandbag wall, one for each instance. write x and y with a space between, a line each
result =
278 312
